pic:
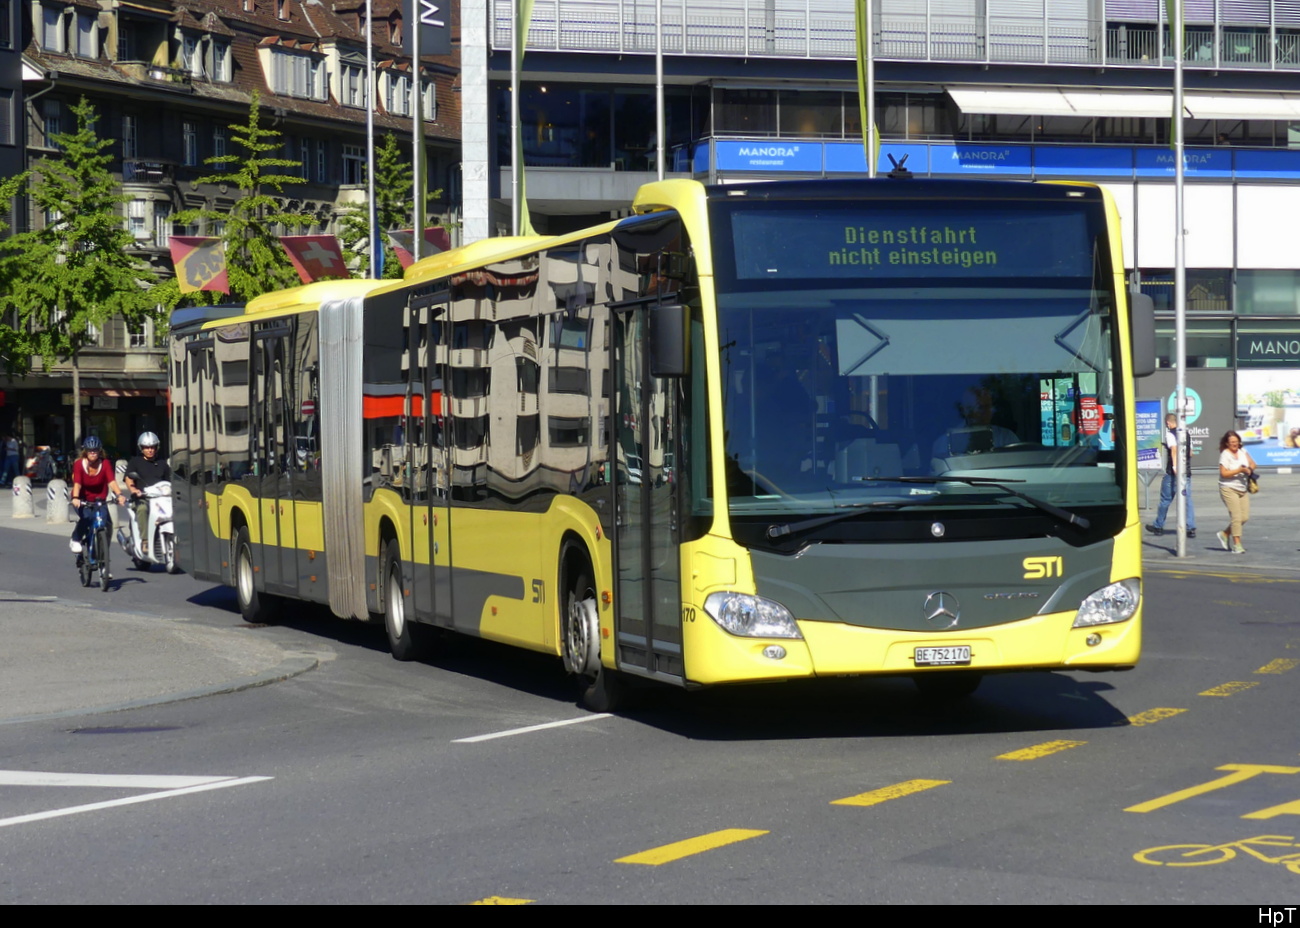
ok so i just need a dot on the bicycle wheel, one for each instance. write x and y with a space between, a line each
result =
101 554
1179 855
86 562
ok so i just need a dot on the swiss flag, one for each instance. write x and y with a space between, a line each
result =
315 257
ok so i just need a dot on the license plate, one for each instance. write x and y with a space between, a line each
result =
952 656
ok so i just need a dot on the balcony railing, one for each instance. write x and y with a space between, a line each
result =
825 29
148 171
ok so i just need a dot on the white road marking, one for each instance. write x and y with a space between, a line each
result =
98 780
129 800
532 728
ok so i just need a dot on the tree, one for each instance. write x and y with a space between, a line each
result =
15 346
393 185
251 228
79 270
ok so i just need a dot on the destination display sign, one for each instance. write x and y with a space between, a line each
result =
864 241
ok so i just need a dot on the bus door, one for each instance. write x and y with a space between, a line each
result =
648 600
272 356
425 478
196 402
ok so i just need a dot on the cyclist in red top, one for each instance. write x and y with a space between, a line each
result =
92 482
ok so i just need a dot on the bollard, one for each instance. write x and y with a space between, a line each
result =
23 507
57 509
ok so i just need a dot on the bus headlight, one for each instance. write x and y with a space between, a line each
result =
751 616
1114 603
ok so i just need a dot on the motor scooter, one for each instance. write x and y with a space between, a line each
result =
157 544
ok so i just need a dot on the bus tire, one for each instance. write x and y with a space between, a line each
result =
600 688
949 686
256 608
407 640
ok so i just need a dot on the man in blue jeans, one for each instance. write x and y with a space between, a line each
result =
1167 486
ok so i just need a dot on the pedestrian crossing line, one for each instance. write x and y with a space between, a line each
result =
876 796
1151 716
502 900
691 846
1229 689
1281 665
1045 749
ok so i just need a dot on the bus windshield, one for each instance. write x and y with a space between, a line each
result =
866 342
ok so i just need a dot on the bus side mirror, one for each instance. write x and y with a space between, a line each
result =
669 323
1142 328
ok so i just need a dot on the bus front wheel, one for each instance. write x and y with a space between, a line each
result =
407 641
600 688
257 608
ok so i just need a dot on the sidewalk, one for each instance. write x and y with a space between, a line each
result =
64 658
1271 537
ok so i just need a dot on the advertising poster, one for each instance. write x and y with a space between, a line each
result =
1150 416
1268 415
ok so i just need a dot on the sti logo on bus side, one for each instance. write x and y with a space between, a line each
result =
1036 568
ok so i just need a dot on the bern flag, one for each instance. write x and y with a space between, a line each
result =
315 257
200 263
435 237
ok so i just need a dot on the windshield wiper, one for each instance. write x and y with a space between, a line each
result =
1057 512
855 509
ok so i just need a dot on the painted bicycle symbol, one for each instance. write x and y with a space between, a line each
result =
1201 855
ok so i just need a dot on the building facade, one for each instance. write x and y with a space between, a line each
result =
1018 89
168 80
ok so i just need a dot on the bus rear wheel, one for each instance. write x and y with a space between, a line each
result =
407 640
600 688
256 608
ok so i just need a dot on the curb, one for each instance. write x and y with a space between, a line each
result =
285 670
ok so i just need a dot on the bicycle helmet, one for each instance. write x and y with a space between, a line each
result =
148 440
91 443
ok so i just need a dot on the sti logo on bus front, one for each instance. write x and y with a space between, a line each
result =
1036 568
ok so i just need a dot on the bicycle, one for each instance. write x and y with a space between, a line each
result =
1218 853
95 548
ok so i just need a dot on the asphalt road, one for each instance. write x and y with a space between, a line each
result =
358 779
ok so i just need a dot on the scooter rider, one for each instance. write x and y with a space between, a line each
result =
92 481
144 470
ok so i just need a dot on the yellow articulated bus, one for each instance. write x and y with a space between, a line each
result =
751 433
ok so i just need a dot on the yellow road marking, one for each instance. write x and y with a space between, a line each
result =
1040 750
1286 808
886 793
1281 665
1151 716
1228 689
502 900
1234 578
1240 772
676 851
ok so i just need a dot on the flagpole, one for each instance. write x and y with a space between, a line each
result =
516 148
417 137
659 88
1180 283
376 249
870 134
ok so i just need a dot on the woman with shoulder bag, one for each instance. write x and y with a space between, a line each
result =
1236 471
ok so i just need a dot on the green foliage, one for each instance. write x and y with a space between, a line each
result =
393 188
15 347
255 260
79 270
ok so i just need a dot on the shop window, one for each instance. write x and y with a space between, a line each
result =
1268 293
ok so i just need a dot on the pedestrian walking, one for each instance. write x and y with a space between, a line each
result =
1235 466
9 470
1174 465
